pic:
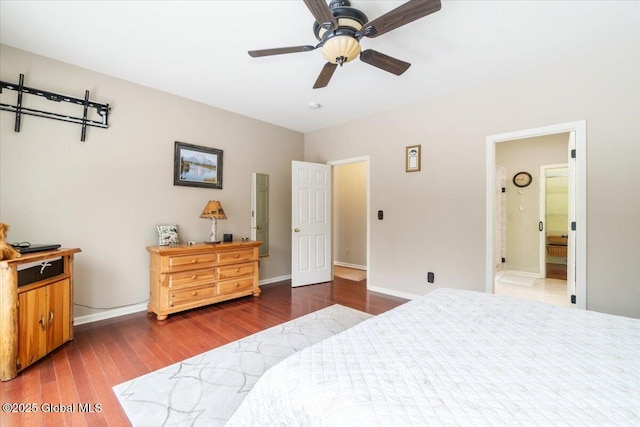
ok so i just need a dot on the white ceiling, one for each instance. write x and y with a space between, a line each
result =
198 49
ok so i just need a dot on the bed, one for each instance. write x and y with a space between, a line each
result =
460 358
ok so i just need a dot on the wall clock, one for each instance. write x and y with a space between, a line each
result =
522 179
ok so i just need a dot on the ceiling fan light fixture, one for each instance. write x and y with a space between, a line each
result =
341 49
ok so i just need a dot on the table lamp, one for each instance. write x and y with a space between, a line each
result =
213 210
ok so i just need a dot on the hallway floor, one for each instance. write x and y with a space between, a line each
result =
552 291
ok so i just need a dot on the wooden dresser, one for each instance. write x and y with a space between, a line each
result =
36 308
183 276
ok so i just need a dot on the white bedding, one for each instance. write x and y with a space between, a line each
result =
460 358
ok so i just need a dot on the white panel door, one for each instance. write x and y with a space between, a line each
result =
310 223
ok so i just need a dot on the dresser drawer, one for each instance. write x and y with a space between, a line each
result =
191 295
186 276
231 257
185 262
233 271
192 278
233 286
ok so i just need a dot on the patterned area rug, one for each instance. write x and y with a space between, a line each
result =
205 390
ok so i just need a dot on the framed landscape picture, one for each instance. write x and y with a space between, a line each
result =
196 166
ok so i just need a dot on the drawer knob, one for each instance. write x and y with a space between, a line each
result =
194 293
237 285
193 261
238 270
194 276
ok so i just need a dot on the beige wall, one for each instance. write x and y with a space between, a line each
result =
435 219
350 214
523 204
107 194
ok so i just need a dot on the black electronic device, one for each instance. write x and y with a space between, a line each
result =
27 248
227 238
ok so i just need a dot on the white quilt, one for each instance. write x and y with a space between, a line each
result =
460 358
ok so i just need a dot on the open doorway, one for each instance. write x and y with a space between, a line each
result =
526 226
524 253
313 220
350 218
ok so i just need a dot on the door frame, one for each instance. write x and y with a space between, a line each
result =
367 161
542 196
580 129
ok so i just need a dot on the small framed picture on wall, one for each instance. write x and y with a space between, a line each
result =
412 158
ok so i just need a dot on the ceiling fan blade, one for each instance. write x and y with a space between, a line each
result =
322 13
384 62
401 15
325 75
280 50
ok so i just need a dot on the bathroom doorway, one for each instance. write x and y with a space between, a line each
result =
519 258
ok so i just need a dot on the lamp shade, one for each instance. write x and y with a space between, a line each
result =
213 210
341 49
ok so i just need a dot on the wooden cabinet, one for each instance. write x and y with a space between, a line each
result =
183 277
36 308
43 323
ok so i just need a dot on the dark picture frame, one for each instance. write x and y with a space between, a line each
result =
197 166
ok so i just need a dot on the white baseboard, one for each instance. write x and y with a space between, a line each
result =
274 280
123 311
393 293
89 318
346 264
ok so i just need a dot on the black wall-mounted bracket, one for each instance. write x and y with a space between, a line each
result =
19 110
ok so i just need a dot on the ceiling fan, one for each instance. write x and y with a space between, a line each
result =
339 28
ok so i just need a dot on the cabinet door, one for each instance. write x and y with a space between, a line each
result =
58 314
32 326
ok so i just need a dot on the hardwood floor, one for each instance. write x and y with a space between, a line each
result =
72 386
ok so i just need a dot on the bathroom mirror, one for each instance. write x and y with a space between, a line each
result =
260 211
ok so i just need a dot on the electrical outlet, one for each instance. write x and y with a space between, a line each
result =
431 277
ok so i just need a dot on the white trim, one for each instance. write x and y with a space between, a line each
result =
394 293
367 160
546 172
347 265
109 314
274 279
580 129
349 161
542 218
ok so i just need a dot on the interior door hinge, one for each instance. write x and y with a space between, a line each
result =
573 226
573 299
573 153
504 190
